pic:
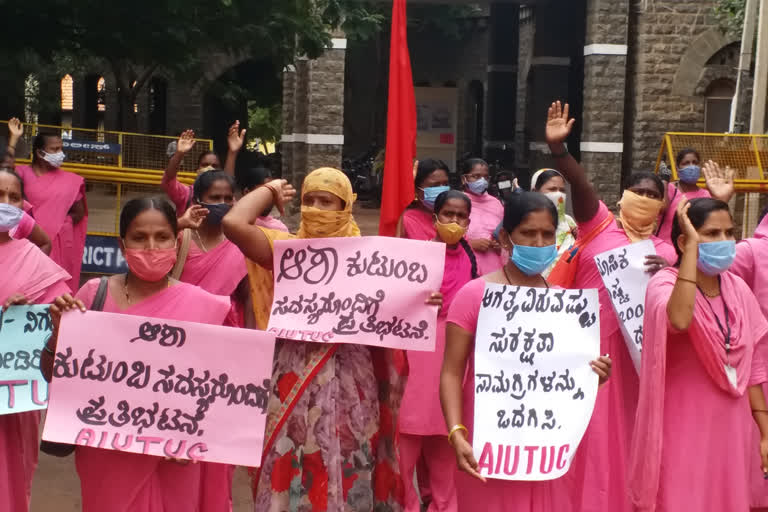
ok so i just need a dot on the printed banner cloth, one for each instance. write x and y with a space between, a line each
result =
159 387
534 386
369 291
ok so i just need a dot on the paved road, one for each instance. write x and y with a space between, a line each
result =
56 487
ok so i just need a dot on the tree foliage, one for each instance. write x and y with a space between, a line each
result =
730 15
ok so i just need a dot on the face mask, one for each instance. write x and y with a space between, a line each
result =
204 169
478 187
689 174
716 257
638 215
450 233
431 193
150 265
10 216
317 223
533 260
54 159
216 212
559 199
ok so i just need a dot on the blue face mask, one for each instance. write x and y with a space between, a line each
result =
533 260
478 187
10 216
716 257
689 173
431 193
216 212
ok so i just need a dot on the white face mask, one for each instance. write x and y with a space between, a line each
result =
557 197
54 159
10 216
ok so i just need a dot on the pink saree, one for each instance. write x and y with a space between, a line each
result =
419 225
218 271
128 482
487 214
692 423
52 195
26 270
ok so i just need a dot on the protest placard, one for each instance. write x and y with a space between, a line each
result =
369 291
534 386
160 387
23 333
625 278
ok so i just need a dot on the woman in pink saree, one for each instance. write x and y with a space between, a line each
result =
530 222
702 366
58 198
210 260
751 265
127 482
598 474
421 420
431 180
28 277
331 440
487 214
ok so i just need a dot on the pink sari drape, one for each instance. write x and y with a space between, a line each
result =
419 225
487 214
26 270
218 271
669 414
127 482
52 195
668 216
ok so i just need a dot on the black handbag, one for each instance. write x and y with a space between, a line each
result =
64 449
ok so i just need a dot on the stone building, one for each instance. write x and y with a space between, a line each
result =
631 70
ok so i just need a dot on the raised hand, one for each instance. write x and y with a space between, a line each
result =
282 193
186 141
15 128
193 217
235 137
691 235
719 181
558 124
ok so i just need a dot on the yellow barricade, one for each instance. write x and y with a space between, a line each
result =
117 166
746 153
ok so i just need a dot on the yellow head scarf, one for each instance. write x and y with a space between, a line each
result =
317 223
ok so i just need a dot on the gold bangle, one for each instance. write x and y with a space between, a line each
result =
454 429
685 279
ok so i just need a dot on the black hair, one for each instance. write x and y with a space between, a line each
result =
763 214
248 179
206 180
204 154
39 142
638 177
134 207
686 151
698 214
13 173
439 203
518 206
470 164
545 177
426 168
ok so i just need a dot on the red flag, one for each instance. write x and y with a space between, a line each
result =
397 191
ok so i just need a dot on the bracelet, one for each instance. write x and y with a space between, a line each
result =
685 279
456 428
760 410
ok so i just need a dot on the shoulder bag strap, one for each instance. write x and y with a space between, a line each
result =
101 294
181 257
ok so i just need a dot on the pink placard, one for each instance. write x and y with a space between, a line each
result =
158 387
369 291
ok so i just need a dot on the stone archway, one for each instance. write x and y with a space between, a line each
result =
696 58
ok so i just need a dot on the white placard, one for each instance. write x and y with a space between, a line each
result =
625 278
534 387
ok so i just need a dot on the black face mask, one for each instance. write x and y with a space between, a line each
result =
216 212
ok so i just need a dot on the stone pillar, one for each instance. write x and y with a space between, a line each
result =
605 74
313 113
501 102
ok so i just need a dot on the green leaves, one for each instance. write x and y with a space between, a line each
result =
730 15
